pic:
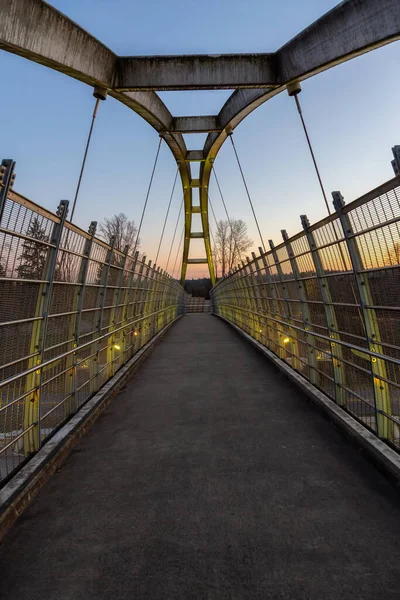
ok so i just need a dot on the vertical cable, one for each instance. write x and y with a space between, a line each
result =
147 195
212 209
312 152
296 89
166 216
177 254
248 193
233 236
173 237
96 107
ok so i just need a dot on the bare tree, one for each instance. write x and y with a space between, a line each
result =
125 232
120 227
232 243
393 255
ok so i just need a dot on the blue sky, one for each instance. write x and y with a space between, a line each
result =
352 112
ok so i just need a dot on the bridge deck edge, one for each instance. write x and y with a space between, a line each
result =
377 451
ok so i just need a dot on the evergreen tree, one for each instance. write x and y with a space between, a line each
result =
34 254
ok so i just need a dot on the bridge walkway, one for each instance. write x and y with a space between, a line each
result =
209 477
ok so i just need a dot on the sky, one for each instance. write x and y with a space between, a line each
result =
352 113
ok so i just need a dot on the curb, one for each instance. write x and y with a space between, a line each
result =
20 491
386 459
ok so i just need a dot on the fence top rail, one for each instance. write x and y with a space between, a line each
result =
380 190
18 198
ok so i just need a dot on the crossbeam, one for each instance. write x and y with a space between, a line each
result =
196 72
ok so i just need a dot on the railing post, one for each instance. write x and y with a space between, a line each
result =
248 316
378 366
164 287
293 340
113 347
235 287
77 308
163 299
330 316
232 312
305 311
32 440
156 300
278 331
146 293
127 313
101 303
7 178
137 307
254 298
264 306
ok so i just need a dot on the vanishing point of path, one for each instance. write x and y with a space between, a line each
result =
209 477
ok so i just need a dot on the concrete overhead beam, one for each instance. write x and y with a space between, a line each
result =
195 124
348 30
196 72
352 28
194 156
39 32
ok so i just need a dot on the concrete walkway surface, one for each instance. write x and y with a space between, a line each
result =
209 478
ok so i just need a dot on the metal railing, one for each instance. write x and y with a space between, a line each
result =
73 310
327 302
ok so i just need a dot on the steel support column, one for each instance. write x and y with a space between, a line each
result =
31 418
72 360
330 316
305 311
114 346
378 365
295 363
101 298
279 333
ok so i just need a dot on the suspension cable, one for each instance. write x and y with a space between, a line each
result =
173 237
294 90
247 191
233 235
166 216
216 224
96 108
147 195
177 254
212 210
222 198
296 98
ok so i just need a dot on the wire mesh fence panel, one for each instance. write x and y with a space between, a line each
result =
327 302
73 310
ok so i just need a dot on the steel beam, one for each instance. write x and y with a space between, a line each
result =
195 124
195 72
37 349
377 365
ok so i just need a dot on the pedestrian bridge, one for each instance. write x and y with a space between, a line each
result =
157 446
209 476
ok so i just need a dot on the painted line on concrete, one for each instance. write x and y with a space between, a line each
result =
19 492
381 454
